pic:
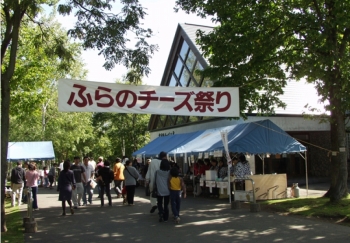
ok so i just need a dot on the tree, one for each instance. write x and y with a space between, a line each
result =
259 45
96 28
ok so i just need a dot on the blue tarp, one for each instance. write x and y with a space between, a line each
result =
254 137
30 150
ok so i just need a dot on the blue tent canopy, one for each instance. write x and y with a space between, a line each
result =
166 143
253 137
30 150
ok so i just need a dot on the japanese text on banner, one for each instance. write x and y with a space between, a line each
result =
108 97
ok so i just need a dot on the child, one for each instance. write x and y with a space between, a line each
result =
176 184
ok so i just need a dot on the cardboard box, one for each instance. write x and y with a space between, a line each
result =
210 175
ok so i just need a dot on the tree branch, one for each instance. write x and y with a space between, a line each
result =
8 33
318 11
344 41
87 10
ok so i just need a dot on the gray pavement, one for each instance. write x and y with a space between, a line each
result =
202 220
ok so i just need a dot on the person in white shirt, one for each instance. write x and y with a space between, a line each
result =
89 172
150 177
92 162
61 166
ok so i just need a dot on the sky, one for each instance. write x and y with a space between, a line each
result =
163 21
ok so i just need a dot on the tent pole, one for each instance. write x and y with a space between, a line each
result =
306 176
263 159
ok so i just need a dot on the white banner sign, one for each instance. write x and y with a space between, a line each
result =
77 95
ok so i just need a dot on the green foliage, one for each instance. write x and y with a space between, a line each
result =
313 207
98 27
14 224
258 45
122 130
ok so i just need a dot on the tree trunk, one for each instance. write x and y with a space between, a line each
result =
338 167
5 111
5 103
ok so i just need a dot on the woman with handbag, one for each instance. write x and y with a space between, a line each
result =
66 183
161 180
131 176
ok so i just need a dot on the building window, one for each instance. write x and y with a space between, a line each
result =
173 81
185 77
184 50
190 61
178 67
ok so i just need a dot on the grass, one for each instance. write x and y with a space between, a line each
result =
14 223
317 207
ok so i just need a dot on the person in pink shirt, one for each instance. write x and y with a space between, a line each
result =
32 177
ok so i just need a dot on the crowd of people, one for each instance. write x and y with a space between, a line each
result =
239 169
76 181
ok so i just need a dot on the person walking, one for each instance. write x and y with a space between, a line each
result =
150 177
99 165
52 174
161 180
131 176
32 176
105 176
176 184
66 183
17 182
80 179
89 172
118 171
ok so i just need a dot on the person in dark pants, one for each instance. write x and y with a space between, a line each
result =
131 176
161 179
105 176
52 173
66 183
32 176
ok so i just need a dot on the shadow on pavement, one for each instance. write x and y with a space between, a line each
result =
202 220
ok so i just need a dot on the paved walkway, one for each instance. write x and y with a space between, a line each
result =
203 220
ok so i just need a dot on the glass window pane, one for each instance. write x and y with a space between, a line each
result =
181 120
172 120
196 76
184 50
168 122
162 120
192 83
185 77
207 83
172 81
178 67
159 124
191 59
207 117
193 118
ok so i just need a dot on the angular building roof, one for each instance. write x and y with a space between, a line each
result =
185 57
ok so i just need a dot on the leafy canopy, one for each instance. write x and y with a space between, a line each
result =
98 27
258 45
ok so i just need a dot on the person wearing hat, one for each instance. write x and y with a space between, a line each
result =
118 171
